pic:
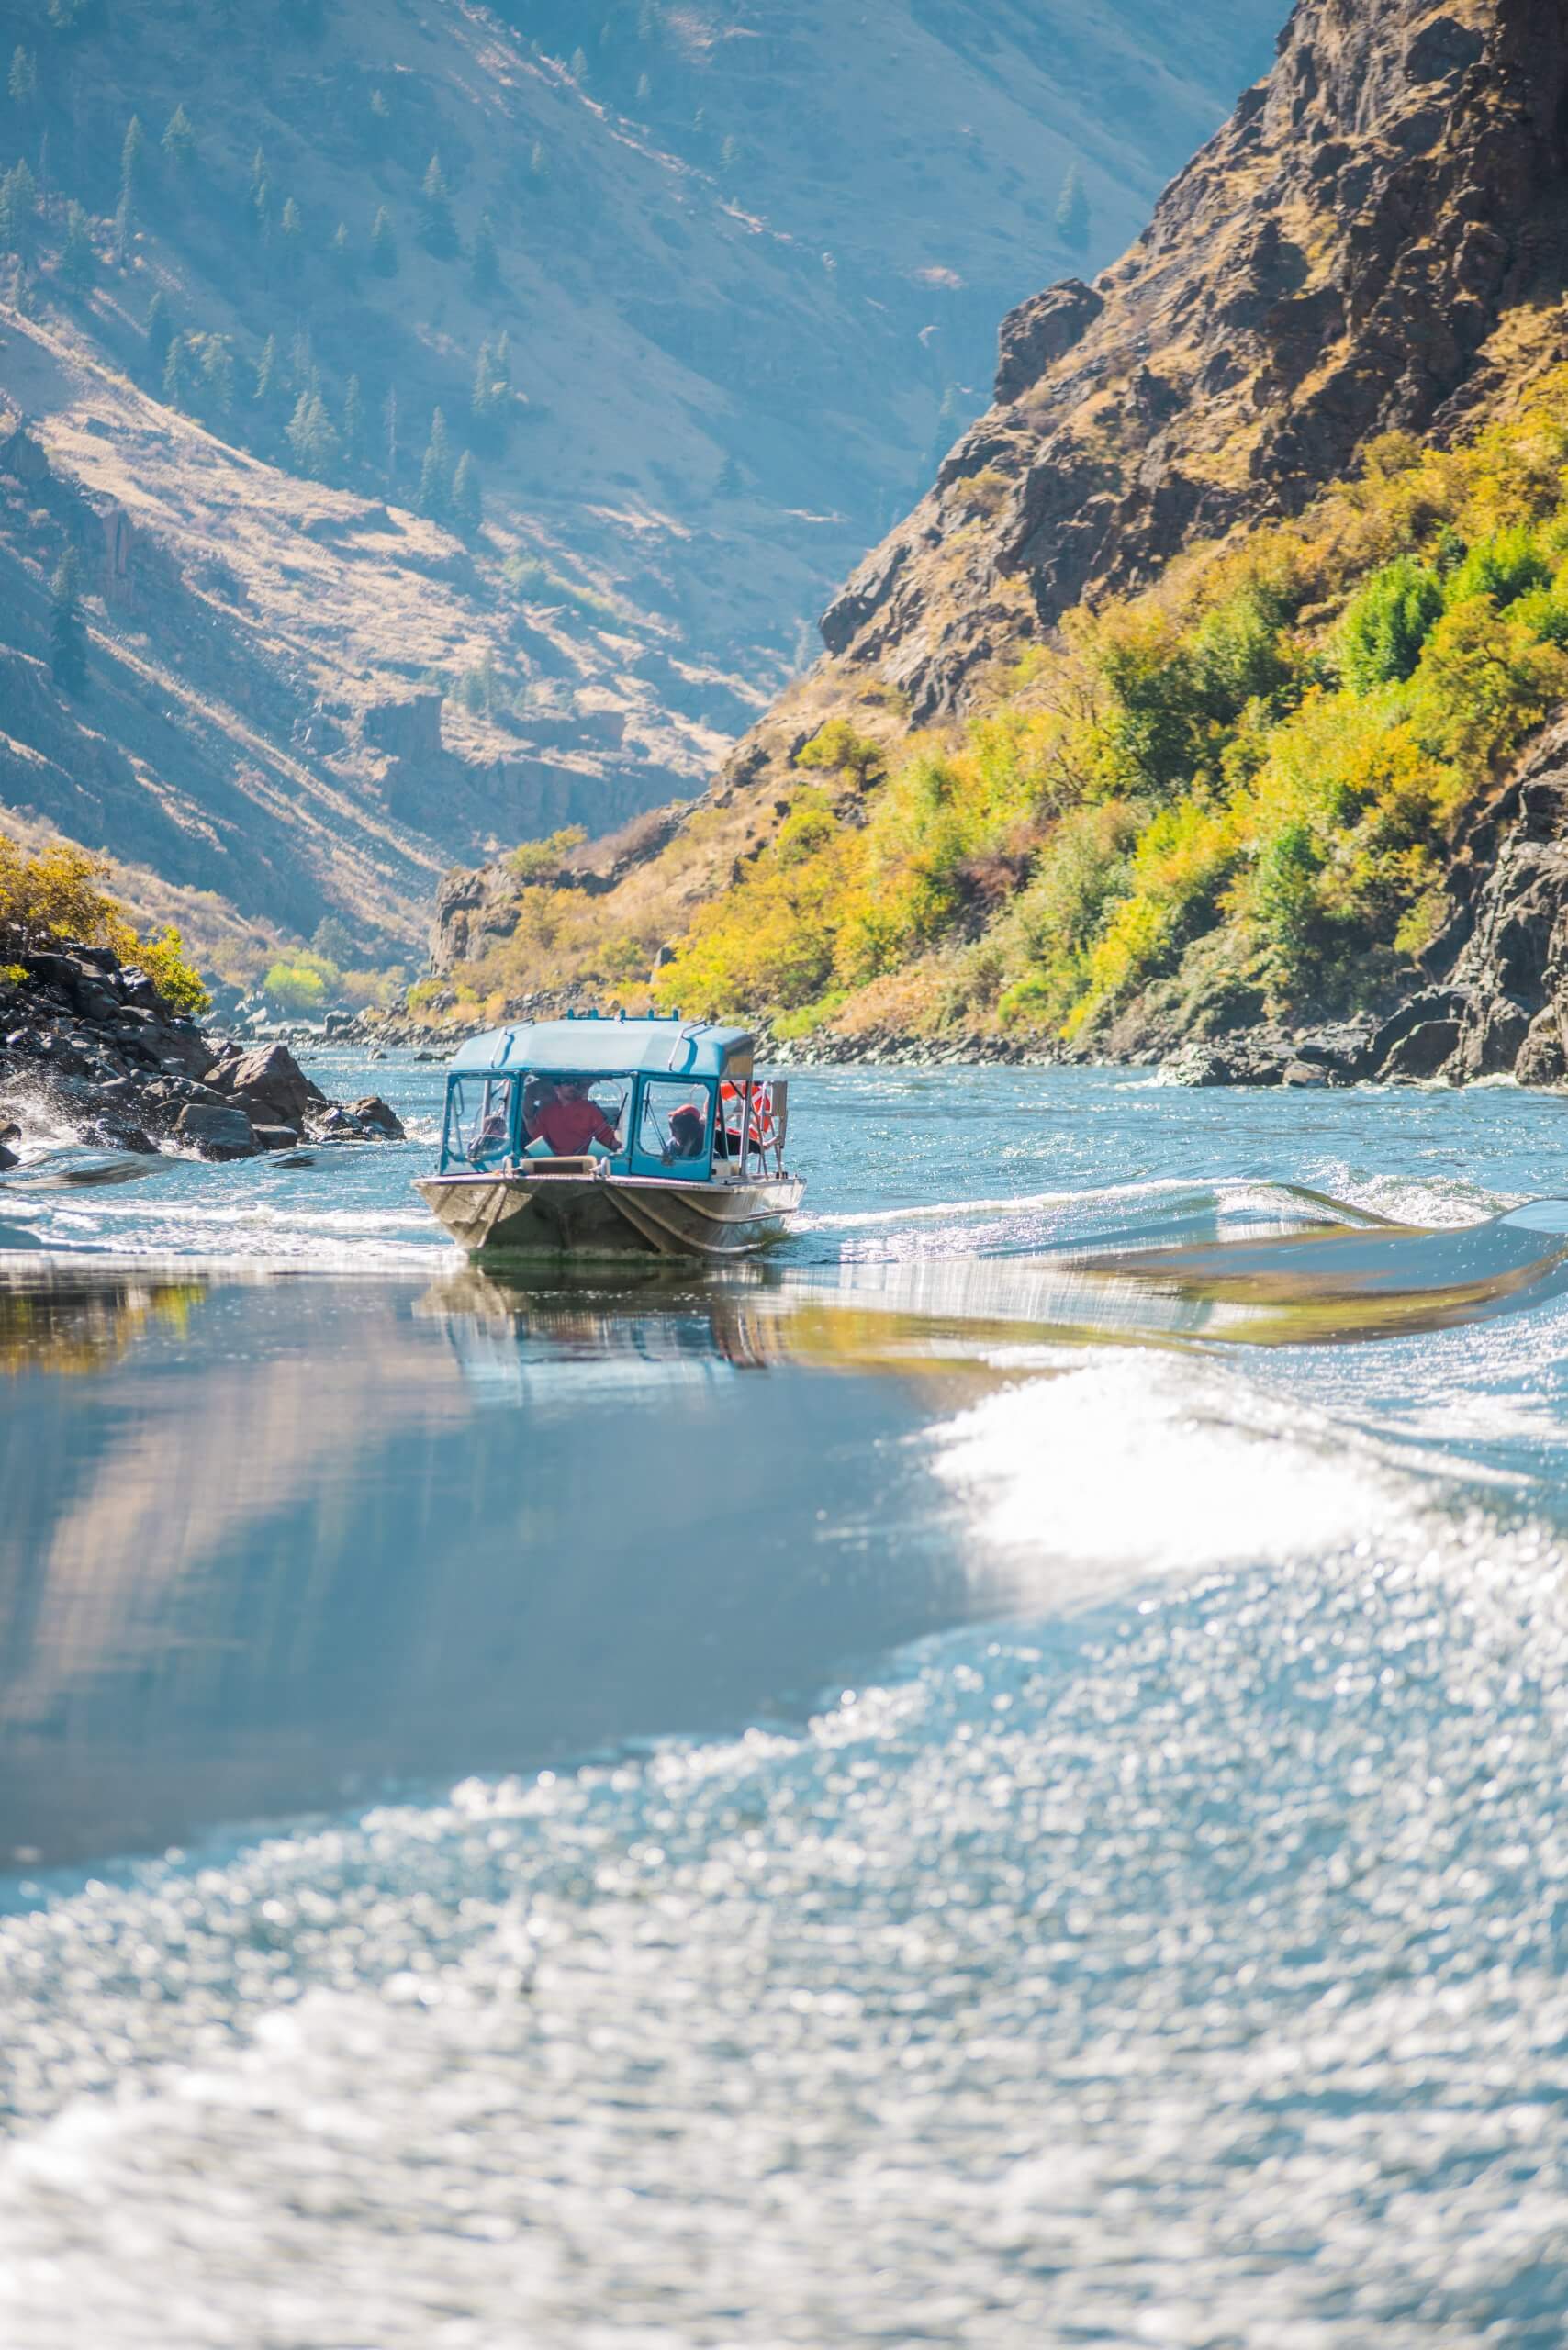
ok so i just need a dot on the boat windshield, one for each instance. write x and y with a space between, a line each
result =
478 1122
565 1114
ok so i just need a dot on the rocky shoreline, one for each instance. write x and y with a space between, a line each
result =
90 1045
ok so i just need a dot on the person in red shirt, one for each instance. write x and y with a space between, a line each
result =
569 1125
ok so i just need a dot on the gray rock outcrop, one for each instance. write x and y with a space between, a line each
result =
92 1045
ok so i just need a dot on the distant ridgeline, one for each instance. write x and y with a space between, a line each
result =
454 414
1186 699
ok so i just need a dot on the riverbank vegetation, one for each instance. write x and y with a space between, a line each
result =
1239 789
57 895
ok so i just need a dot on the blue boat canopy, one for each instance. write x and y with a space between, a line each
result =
597 1047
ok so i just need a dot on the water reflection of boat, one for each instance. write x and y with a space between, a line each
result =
595 1137
947 1314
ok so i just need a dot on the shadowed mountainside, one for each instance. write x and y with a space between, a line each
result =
744 262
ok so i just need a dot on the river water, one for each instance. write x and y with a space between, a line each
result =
1000 1779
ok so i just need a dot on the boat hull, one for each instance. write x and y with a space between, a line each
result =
609 1215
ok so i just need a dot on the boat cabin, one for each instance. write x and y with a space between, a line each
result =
661 1097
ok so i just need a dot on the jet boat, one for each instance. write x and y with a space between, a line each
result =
593 1136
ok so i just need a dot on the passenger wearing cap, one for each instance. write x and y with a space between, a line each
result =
688 1129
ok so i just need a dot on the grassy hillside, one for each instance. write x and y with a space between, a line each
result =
695 292
1230 797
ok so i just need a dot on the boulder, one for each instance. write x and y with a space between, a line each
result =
1422 1051
380 1116
8 1158
1491 1037
335 1125
275 1137
111 1135
138 987
1343 1049
1231 1060
1541 1059
270 1083
1434 1012
1040 331
1301 1073
215 1133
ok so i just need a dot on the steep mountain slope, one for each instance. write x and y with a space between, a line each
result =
744 258
1184 758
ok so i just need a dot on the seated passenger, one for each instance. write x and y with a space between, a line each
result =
572 1126
537 1093
490 1143
688 1132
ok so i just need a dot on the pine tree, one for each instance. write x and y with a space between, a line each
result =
341 255
177 374
728 154
1072 212
78 260
382 246
160 334
644 89
729 484
310 435
291 230
261 201
538 161
216 355
485 269
579 65
437 230
390 417
491 401
468 499
354 421
380 117
67 636
132 157
22 82
18 208
435 473
179 139
266 371
124 230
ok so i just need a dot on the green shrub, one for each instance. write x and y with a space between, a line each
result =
1503 566
840 749
532 860
1386 625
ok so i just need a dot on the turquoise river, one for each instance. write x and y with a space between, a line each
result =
999 1778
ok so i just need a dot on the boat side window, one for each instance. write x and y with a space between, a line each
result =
611 1095
675 1124
478 1122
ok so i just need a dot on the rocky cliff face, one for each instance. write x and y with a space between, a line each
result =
1361 249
